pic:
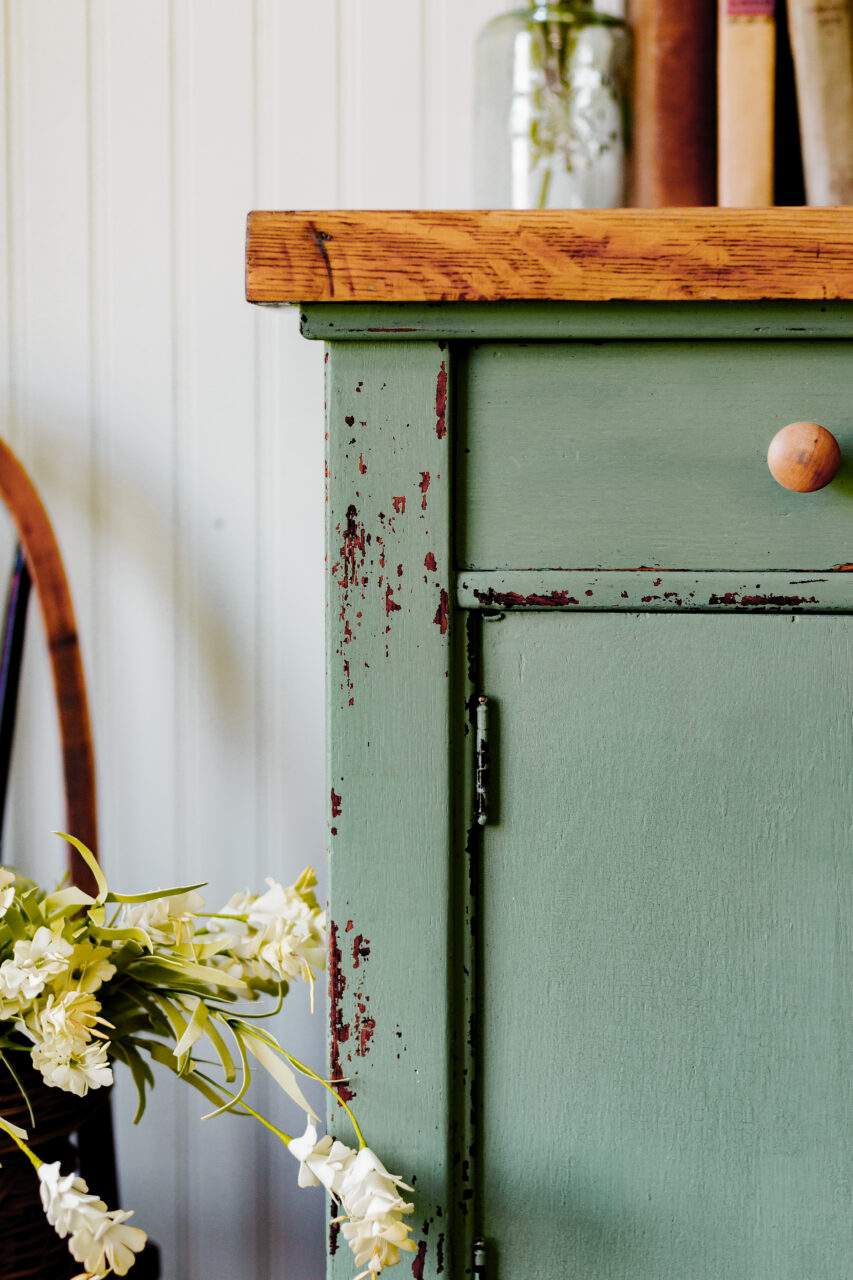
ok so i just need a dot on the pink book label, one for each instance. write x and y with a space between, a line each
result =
750 8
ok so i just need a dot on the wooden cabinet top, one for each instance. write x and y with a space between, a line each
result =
585 255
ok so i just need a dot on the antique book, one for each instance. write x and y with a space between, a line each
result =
675 123
822 45
746 65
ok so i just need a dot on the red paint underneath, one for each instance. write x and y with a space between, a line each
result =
442 611
750 602
553 600
339 1030
336 804
441 402
390 603
399 505
429 562
419 1261
423 486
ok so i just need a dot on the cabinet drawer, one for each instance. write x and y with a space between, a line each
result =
622 454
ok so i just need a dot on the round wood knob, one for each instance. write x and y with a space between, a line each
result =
803 457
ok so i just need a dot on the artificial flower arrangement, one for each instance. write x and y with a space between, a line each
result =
145 978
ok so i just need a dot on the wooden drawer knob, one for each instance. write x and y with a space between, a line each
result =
803 457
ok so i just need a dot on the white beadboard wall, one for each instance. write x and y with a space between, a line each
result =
176 435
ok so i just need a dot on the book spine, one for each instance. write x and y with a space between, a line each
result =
746 68
822 45
675 128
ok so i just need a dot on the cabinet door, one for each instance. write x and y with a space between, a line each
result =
667 972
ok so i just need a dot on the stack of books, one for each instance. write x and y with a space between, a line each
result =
743 102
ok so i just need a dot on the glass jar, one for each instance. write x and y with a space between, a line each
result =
552 84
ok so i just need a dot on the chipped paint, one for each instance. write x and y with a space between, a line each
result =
399 505
360 950
336 804
423 486
737 601
439 1254
419 1260
441 402
365 1035
511 599
441 613
339 1030
391 605
429 562
362 465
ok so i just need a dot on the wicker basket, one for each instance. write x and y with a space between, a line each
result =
29 1247
75 1131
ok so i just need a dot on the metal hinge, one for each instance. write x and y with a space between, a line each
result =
479 1267
481 762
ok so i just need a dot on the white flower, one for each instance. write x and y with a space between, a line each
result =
285 933
74 1068
99 1238
7 889
368 1195
34 962
69 1017
88 967
321 1163
164 919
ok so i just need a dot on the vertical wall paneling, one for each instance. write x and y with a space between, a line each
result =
295 166
52 388
450 32
217 495
177 436
132 671
382 103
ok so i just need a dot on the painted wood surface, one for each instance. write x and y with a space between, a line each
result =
482 320
666 908
626 455
591 254
658 591
390 797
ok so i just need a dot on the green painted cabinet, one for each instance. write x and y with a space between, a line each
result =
609 1029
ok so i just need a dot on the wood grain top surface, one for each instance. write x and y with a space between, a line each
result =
585 255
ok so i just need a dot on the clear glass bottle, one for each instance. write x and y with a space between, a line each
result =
552 90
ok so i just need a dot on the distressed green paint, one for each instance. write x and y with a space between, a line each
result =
609 1029
667 901
619 455
568 320
389 714
656 591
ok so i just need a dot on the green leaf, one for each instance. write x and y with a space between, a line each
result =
228 1068
279 1070
131 934
91 862
139 1070
160 1053
232 1100
194 1031
154 894
164 968
13 1073
174 1017
66 900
